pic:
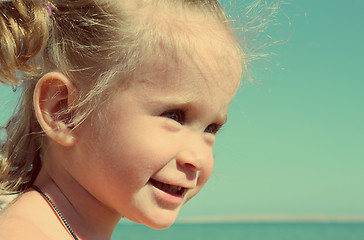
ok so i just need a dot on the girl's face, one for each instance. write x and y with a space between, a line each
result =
154 152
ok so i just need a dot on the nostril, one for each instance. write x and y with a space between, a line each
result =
191 167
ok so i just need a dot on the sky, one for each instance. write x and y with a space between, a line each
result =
294 144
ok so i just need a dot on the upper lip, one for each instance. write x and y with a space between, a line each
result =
183 185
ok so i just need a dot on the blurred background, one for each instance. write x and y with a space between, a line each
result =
293 147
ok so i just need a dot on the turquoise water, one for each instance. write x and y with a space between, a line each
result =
245 231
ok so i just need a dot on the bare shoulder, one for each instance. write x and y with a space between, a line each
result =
30 217
15 223
13 227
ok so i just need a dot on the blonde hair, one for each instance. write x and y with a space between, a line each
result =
90 41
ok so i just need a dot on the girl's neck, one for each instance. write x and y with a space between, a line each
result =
87 216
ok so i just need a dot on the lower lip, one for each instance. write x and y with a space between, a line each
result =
166 199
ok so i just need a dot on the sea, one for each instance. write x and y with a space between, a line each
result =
244 231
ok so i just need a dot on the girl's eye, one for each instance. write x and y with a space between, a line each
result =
212 128
176 115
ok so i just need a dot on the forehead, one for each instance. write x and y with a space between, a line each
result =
210 52
199 79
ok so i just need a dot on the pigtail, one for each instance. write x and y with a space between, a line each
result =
24 27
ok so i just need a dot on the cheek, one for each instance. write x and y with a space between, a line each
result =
137 143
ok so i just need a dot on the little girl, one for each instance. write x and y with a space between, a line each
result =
120 104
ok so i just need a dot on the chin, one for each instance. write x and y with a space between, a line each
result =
160 221
160 225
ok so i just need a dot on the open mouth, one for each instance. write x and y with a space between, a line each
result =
171 189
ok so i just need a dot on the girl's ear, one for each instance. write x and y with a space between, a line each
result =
53 95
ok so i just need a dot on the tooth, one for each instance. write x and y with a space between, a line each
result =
173 189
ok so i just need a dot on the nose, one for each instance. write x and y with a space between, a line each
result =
196 153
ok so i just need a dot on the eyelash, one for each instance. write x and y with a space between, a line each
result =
214 128
176 115
180 117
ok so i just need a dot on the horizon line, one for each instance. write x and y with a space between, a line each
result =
260 218
276 218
